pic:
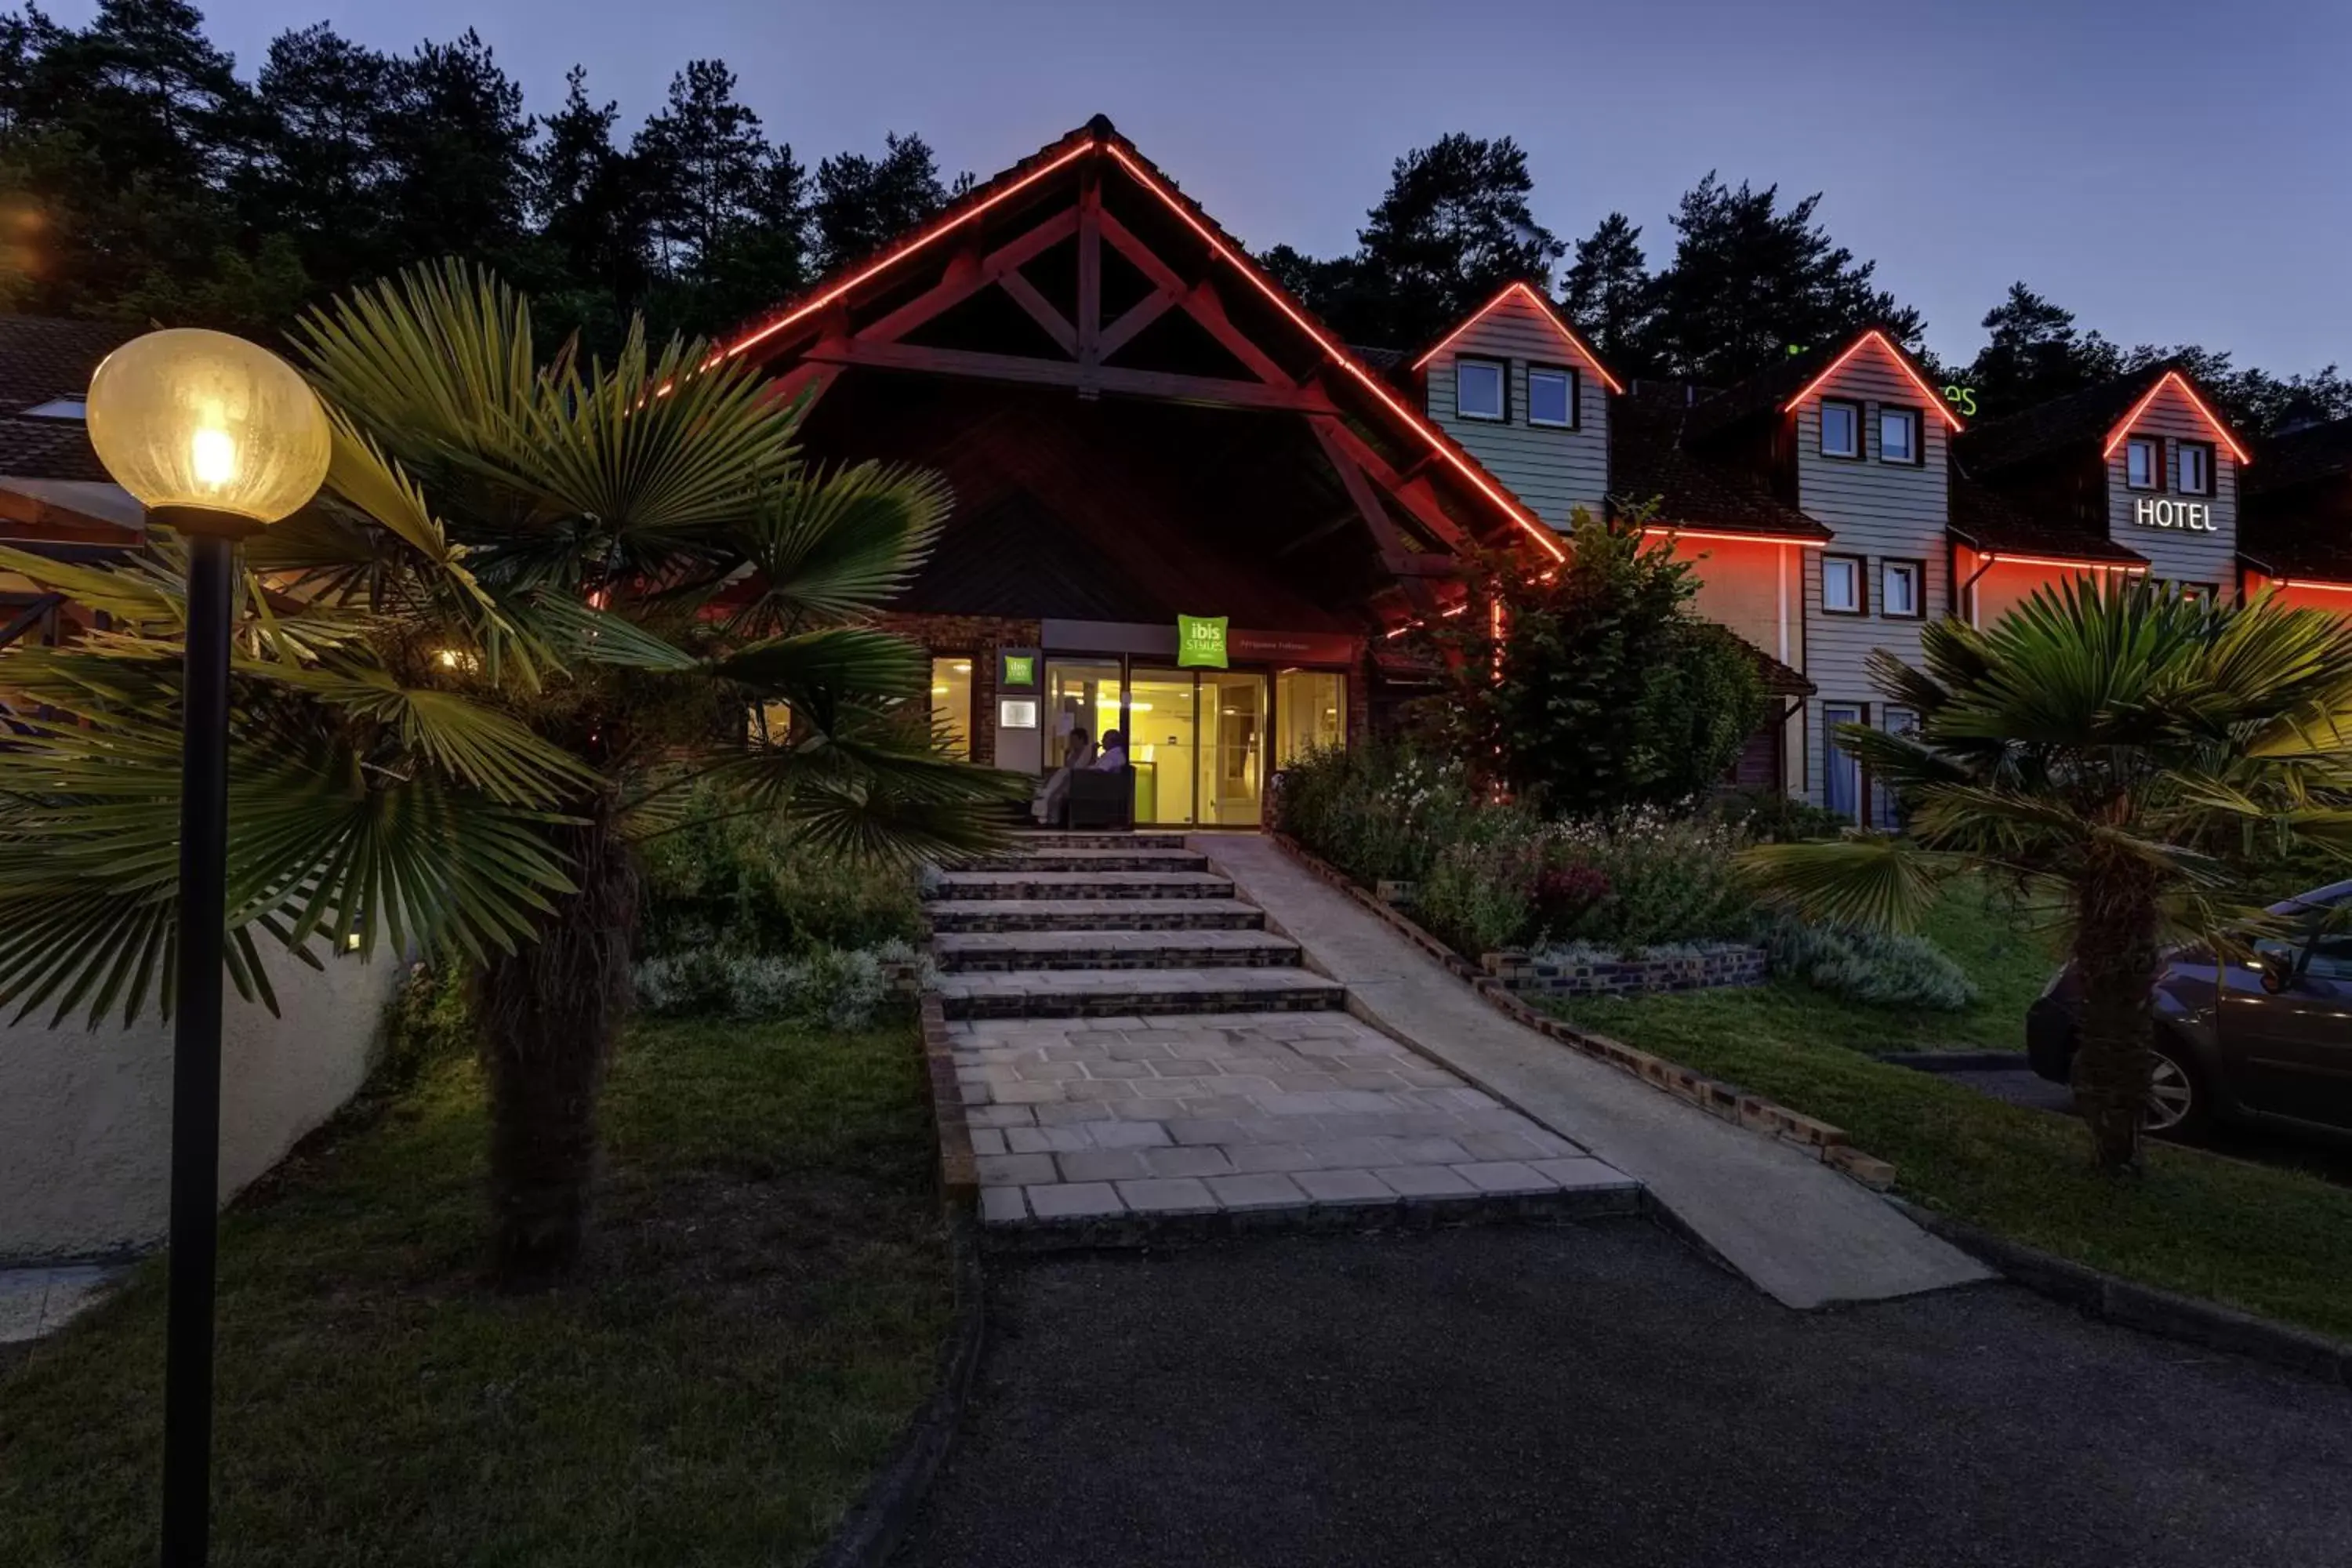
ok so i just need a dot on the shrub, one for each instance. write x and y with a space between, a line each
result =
744 884
1379 812
841 989
1882 969
428 1022
1479 894
1774 817
1667 879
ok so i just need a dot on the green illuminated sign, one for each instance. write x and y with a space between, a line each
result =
1963 398
1020 669
1199 642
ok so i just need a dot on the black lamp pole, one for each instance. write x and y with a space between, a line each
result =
197 1033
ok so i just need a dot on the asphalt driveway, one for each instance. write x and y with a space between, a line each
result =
1598 1396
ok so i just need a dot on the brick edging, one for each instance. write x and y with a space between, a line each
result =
958 1171
1720 1099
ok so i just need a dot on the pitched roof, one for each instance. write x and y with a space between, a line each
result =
1775 389
1361 389
1650 458
2084 418
1991 522
1545 306
42 358
2312 454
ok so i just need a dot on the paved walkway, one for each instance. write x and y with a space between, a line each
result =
1593 1395
38 1300
1799 1230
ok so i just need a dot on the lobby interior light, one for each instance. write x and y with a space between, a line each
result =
194 422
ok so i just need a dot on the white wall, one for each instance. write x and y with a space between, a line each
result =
1553 471
86 1115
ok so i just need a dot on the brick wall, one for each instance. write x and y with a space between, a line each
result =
1726 965
980 636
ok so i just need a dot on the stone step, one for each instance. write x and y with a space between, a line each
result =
951 886
1085 858
1094 914
1065 839
1131 992
969 953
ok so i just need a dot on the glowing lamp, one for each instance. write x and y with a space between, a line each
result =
212 434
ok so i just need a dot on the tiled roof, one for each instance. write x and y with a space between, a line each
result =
1649 457
2081 418
1778 677
47 449
1986 519
1385 361
2299 458
2299 553
42 358
1763 392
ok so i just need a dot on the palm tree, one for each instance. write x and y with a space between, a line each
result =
2097 749
531 611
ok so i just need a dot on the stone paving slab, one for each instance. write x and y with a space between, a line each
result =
1093 914
973 951
1041 994
1026 884
1279 1116
1089 858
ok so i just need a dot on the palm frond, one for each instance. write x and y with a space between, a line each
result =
828 547
1879 883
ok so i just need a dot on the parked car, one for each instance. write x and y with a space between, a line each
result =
2262 1038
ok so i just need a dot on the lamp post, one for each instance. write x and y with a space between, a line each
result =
217 438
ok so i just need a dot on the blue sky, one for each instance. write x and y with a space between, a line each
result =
2170 171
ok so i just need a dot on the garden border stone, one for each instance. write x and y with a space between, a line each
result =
1726 1102
2145 1308
1715 966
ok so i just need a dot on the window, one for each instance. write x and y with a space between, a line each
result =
1841 773
1841 429
2196 461
769 724
1479 389
2144 463
1898 435
2330 957
1310 713
1886 806
1552 396
951 703
59 408
1902 589
1842 584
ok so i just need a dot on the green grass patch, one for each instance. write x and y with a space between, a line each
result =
762 1312
2265 1240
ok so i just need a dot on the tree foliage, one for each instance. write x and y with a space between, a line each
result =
2090 749
1593 687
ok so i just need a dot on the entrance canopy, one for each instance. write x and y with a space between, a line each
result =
1137 420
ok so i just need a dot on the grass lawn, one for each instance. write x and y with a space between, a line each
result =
2266 1240
769 1292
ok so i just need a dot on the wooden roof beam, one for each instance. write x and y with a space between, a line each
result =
1082 379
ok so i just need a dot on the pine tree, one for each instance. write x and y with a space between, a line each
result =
1454 228
1610 293
2034 354
707 159
862 204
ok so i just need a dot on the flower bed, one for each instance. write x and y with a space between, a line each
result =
1584 969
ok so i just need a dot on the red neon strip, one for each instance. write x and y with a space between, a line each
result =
1874 335
1741 538
1549 314
946 226
1998 558
2174 378
2285 583
1345 361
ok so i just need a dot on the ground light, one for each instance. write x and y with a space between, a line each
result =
217 438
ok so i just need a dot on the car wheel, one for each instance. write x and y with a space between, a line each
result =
2175 1097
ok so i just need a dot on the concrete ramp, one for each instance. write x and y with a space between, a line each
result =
1800 1232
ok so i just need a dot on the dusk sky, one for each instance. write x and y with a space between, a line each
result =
2170 171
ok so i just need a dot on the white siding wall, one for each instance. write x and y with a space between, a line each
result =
1881 511
2172 553
1553 471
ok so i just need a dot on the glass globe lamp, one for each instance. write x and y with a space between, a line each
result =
212 434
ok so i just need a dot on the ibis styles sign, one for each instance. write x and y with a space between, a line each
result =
2195 516
1200 642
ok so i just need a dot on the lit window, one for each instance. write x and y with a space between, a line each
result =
769 724
59 408
1898 435
951 703
1479 389
1898 588
1842 584
2143 463
1841 428
1552 396
2196 461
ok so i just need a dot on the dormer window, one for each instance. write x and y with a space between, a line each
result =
1841 429
1479 389
2143 463
1552 396
1898 435
2196 461
59 408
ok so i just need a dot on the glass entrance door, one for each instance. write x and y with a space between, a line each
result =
1081 694
1162 722
1232 753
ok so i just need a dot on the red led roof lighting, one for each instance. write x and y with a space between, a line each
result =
1339 357
1902 363
945 226
1740 538
1551 312
2174 378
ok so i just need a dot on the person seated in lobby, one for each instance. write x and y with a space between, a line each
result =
1113 753
1078 752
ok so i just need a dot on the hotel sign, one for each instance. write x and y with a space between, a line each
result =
2195 516
1200 642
